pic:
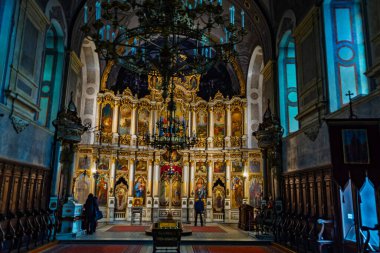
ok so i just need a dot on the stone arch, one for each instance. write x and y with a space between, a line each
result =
90 87
254 93
288 22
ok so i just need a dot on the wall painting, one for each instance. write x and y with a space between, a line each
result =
237 166
201 168
237 123
219 167
82 188
202 118
219 123
218 195
139 188
255 192
102 189
125 120
121 196
237 189
143 122
200 188
107 114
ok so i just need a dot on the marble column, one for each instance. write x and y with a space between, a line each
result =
131 177
209 180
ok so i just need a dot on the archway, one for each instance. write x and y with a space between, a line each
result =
254 93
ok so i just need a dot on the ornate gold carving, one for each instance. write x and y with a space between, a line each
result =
235 141
125 139
218 142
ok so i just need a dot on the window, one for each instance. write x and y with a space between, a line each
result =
288 84
52 76
345 52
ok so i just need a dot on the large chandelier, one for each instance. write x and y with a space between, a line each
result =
172 131
172 37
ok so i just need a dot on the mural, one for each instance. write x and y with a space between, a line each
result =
172 156
202 118
107 114
101 189
143 122
122 165
255 192
218 197
219 167
219 123
141 166
237 192
236 123
254 166
201 168
176 191
82 188
125 120
84 163
164 190
237 166
104 163
121 197
139 188
200 188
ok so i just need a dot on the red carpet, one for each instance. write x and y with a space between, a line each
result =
127 229
234 249
66 248
208 229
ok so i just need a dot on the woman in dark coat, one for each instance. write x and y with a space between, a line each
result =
90 214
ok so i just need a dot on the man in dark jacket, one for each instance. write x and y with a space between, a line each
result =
90 214
199 208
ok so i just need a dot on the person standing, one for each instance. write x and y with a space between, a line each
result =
199 208
90 214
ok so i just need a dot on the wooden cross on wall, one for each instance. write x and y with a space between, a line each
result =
352 115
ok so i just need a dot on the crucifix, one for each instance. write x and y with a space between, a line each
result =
352 115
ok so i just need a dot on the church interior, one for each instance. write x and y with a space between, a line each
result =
266 111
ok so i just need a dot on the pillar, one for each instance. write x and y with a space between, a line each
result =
211 128
70 171
265 174
56 176
229 130
111 196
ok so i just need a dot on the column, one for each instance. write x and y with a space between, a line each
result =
211 128
209 180
131 177
265 174
99 119
56 176
134 120
111 196
149 199
227 139
185 184
156 180
245 127
70 171
115 122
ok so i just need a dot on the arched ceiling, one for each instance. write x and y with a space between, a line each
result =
259 33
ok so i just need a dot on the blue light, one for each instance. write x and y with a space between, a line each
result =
288 84
368 210
345 52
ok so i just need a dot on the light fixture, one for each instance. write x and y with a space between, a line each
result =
171 131
172 37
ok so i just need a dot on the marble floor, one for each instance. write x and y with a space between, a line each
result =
232 235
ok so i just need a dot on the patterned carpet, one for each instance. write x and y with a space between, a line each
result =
197 229
67 248
233 249
208 229
127 228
